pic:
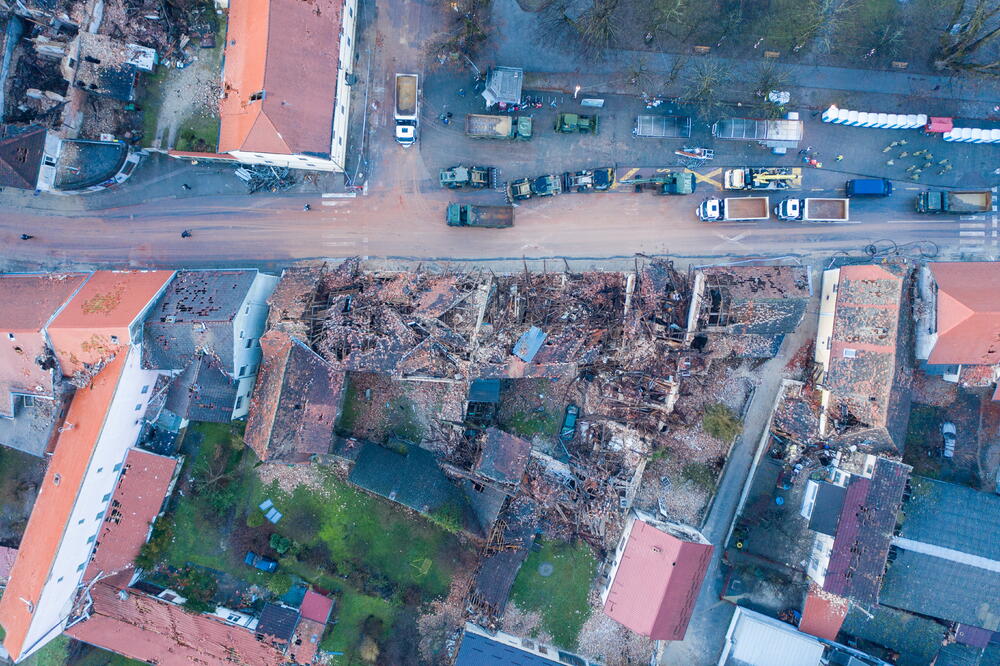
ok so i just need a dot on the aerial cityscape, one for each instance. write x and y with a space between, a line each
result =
500 332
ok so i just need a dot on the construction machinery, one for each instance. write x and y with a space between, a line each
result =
407 108
977 201
813 210
763 178
475 176
546 186
485 217
665 182
519 190
568 123
485 126
735 209
588 179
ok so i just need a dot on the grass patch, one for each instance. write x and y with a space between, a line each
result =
561 598
721 422
151 101
55 653
352 612
92 656
700 474
354 406
199 132
923 441
529 424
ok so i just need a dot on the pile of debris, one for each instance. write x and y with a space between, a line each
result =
264 178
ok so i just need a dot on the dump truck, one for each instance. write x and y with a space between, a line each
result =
735 209
519 190
765 178
407 108
567 123
972 201
546 186
663 127
475 176
485 126
485 217
588 179
813 210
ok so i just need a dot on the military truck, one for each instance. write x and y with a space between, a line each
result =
519 190
734 209
484 217
567 123
546 186
588 179
484 126
462 176
664 182
973 201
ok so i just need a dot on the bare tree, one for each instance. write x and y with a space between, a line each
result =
769 77
661 15
599 28
554 25
704 87
469 26
965 38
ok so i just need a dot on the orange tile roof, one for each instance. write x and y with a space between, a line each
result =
968 313
138 497
95 324
289 51
156 631
823 614
305 642
27 303
55 502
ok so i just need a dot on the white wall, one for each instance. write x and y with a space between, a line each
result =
251 320
345 65
291 161
120 431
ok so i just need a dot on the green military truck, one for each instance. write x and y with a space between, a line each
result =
476 177
956 203
484 126
484 217
568 123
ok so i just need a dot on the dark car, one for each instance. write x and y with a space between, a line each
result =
569 423
260 562
868 187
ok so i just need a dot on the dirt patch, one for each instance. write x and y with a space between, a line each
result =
377 407
612 643
291 477
924 444
186 101
932 390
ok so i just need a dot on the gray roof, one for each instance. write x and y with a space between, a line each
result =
477 650
503 84
826 511
953 516
278 621
202 392
195 314
916 639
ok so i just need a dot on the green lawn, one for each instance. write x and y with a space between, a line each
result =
199 132
352 611
561 598
58 653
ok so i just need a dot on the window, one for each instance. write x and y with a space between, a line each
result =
80 568
242 334
249 342
91 538
116 467
257 96
99 516
350 11
59 580
100 469
243 370
145 389
10 336
56 478
246 310
239 401
138 407
80 522
114 339
106 497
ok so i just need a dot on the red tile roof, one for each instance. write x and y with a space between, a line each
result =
968 313
288 51
95 324
27 303
55 502
657 583
316 607
138 497
305 642
156 631
823 614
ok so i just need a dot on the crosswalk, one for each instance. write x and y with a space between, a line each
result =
980 234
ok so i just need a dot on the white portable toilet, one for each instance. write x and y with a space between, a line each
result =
842 116
863 119
882 120
852 118
976 136
830 114
921 120
995 136
911 121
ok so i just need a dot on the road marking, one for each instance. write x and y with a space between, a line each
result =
972 233
340 243
708 177
913 188
328 202
971 225
339 195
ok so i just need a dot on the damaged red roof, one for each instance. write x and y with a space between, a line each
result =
823 614
968 313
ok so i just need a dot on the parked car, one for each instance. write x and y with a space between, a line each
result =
569 423
260 562
949 434
868 187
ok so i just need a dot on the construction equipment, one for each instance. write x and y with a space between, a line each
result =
567 123
476 177
484 126
546 186
738 209
762 178
407 109
588 179
486 217
813 210
669 182
977 201
519 190
663 127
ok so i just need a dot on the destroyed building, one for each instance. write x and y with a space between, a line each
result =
862 353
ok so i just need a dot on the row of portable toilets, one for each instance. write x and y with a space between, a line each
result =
911 121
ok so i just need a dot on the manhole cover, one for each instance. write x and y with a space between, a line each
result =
545 569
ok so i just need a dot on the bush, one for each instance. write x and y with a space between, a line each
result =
447 517
197 586
279 584
700 474
255 518
151 551
720 422
280 543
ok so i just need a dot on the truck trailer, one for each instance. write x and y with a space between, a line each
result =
407 108
762 178
735 209
663 127
484 217
813 210
485 126
971 201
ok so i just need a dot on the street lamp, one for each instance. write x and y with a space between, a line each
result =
575 91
